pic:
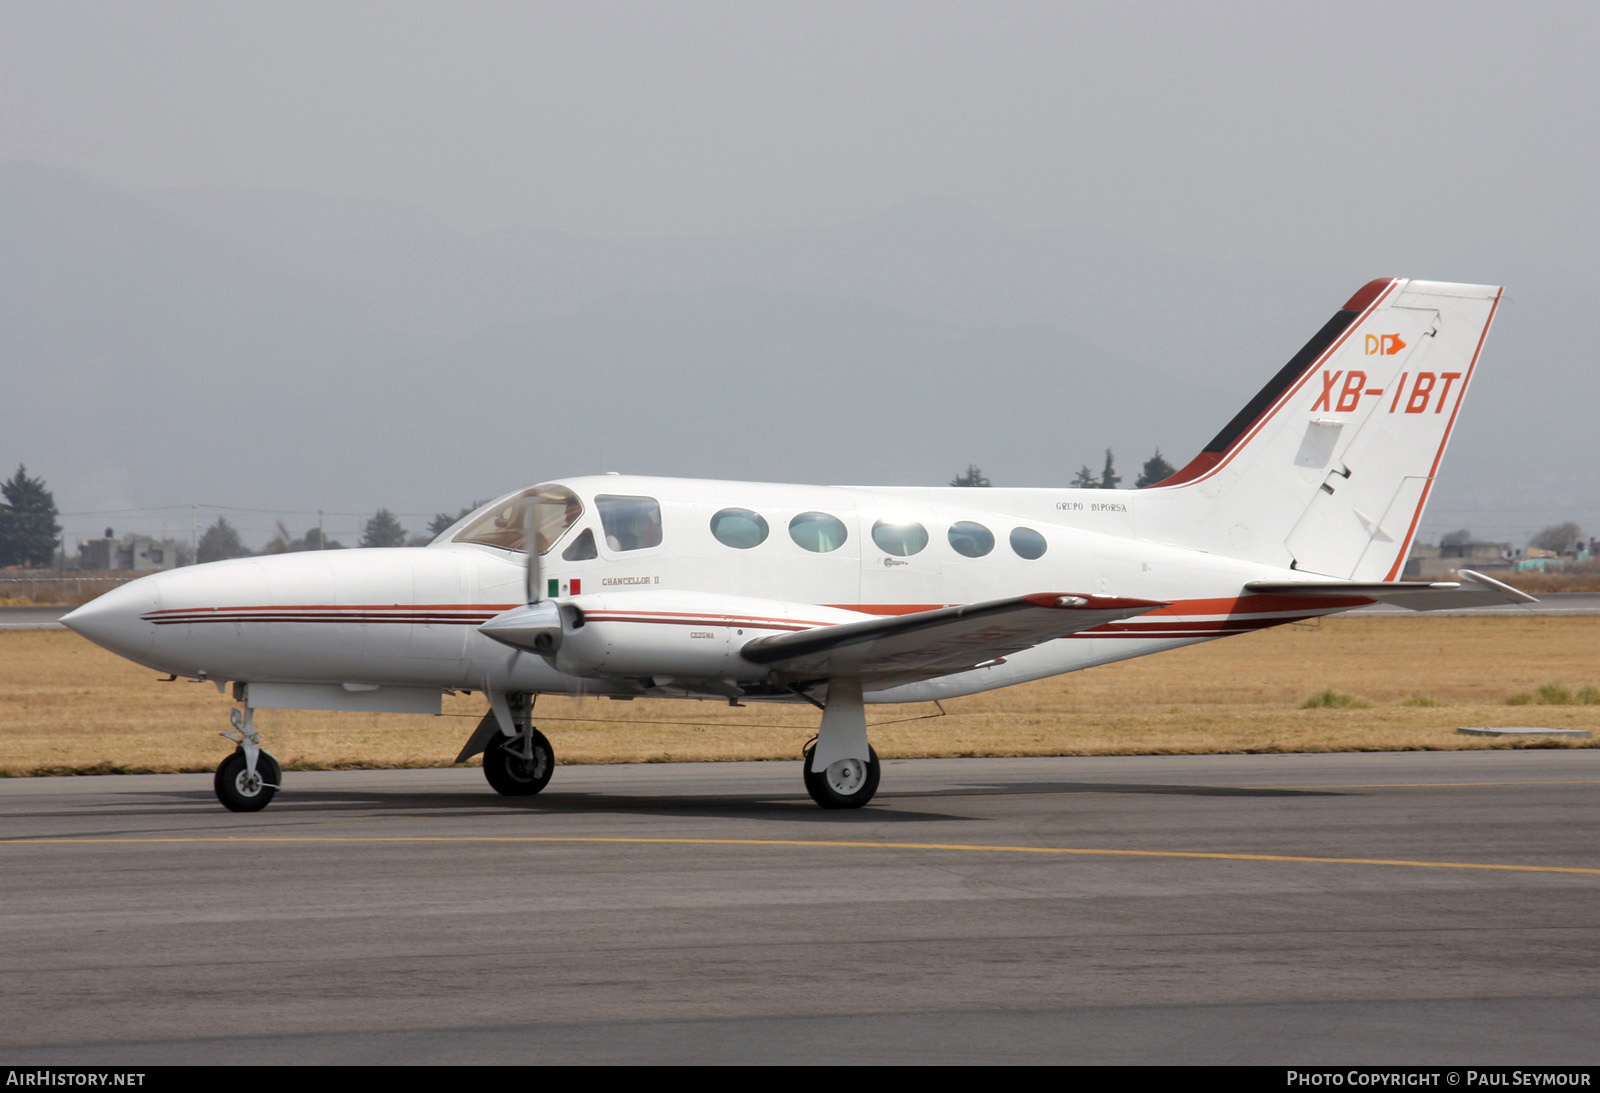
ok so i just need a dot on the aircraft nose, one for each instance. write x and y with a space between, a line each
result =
114 620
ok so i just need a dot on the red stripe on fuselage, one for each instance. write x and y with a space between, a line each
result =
1237 613
413 607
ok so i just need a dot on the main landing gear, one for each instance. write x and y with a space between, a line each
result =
518 764
846 783
841 770
248 779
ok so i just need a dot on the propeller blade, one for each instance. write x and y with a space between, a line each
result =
531 589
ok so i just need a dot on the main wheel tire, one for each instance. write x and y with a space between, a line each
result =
513 776
239 790
848 783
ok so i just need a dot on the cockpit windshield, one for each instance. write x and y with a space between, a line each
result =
551 509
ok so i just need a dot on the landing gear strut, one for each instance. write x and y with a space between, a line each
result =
841 770
248 779
519 765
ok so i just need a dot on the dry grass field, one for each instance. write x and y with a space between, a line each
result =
1579 577
67 706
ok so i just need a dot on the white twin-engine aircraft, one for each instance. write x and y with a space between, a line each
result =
1304 504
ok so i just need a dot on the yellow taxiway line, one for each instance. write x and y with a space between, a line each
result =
1433 785
822 843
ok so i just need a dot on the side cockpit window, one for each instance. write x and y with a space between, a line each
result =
630 523
551 510
582 548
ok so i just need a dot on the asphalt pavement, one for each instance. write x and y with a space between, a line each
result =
1388 908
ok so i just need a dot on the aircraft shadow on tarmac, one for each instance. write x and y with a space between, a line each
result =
721 806
686 806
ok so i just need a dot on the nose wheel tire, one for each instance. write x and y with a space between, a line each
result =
848 783
241 791
518 775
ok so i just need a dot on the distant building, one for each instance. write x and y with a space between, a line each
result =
1430 560
137 553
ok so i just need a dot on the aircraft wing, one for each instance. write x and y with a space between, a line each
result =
925 644
1474 590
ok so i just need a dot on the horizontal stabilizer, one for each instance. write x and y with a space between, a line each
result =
1476 591
927 644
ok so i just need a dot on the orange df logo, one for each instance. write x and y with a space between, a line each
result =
1385 344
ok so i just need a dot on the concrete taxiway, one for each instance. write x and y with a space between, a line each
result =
1390 908
32 618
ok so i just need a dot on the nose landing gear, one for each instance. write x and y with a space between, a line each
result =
248 779
243 790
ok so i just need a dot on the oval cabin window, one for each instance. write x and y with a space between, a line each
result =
970 540
818 532
901 540
739 528
1027 543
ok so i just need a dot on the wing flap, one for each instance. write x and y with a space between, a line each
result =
1473 590
926 644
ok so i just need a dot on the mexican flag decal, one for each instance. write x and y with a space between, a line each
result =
556 587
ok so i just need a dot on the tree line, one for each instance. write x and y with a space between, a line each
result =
221 540
30 533
1156 469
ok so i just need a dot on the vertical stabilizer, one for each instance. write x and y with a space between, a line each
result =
1328 468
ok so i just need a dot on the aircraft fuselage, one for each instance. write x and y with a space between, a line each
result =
408 617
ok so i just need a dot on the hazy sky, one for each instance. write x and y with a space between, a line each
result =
1385 132
1438 140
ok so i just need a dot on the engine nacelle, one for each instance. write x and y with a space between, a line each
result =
657 634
